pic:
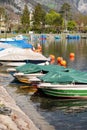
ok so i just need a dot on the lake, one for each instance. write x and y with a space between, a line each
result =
62 114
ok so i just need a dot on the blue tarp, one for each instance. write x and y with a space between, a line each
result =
20 43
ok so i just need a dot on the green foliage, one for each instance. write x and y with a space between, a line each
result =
71 25
54 19
25 19
65 11
38 17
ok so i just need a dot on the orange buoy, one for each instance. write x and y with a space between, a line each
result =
39 47
52 57
59 59
63 63
72 55
52 61
72 58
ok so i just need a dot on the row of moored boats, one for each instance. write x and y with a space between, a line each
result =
31 67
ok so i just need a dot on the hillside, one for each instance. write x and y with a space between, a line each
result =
18 5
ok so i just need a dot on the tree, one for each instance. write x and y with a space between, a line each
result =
65 12
38 17
71 25
25 19
54 19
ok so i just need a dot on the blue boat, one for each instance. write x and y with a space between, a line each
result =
69 36
57 37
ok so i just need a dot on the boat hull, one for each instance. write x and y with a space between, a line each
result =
28 78
13 64
64 91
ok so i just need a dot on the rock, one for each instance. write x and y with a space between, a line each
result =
11 116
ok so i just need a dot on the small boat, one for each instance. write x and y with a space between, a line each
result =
28 78
71 84
18 37
64 90
57 37
70 36
29 68
17 56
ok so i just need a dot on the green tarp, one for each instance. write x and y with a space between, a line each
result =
55 73
33 68
28 68
65 77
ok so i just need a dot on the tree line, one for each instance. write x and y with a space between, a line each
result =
41 21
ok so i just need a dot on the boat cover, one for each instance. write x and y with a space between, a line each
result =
72 76
33 68
19 43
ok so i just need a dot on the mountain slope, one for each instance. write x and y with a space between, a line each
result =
76 5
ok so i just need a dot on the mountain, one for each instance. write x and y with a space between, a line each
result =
18 5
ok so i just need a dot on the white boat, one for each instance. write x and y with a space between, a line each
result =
16 56
28 78
64 90
18 37
6 45
6 39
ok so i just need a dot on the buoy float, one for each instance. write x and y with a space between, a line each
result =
52 59
72 58
59 59
72 55
63 63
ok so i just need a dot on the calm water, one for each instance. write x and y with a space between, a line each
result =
62 114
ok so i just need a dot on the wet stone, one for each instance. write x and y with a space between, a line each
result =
5 110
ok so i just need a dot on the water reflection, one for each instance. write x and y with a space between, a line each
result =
65 105
21 88
63 48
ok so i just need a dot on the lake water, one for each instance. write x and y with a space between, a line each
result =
62 114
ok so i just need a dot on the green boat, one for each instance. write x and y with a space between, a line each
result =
71 84
64 91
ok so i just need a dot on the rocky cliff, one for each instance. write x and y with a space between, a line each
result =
18 5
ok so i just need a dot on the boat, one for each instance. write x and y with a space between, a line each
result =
29 68
30 72
71 84
57 37
18 37
70 36
64 90
28 78
17 56
4 46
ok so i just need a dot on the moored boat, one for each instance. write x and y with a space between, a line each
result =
71 84
75 37
64 90
17 56
27 78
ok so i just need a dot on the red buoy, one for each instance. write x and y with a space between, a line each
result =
59 59
72 54
63 63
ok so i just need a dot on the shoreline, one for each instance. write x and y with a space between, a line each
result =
17 119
